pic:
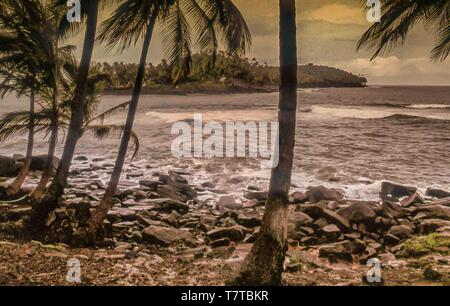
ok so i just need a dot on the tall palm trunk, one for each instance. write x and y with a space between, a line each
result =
264 263
49 202
100 213
49 167
15 186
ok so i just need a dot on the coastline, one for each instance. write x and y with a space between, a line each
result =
211 88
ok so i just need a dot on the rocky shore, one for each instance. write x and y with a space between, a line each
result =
163 213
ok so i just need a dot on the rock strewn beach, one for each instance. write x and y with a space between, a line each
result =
161 217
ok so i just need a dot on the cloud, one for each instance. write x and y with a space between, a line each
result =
338 13
394 70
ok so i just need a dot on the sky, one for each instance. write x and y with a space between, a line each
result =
327 34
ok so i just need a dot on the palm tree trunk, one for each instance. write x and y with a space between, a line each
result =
264 263
49 169
15 186
51 197
100 213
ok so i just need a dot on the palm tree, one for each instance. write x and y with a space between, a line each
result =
49 201
137 18
16 123
399 16
264 264
18 70
30 54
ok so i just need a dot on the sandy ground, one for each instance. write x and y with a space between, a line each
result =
32 263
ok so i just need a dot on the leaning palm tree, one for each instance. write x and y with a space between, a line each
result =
133 19
49 201
264 264
399 16
19 67
16 123
34 24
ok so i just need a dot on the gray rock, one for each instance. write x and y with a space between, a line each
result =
317 211
168 205
437 193
299 219
431 225
337 251
8 167
228 202
393 191
401 231
332 232
256 195
39 162
436 211
358 212
220 242
321 193
234 233
249 220
299 197
164 235
152 185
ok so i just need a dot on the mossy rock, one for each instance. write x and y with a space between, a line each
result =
435 243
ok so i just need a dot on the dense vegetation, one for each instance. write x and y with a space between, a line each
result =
227 70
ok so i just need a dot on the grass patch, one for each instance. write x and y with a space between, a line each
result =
434 243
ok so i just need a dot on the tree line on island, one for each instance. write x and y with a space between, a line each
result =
63 93
227 70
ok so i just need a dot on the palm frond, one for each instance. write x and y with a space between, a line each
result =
399 17
108 131
112 111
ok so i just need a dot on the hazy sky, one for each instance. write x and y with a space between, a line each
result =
327 34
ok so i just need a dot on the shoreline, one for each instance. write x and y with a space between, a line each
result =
199 88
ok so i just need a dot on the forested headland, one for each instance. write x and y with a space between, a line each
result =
225 74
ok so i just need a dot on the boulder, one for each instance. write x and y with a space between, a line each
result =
332 232
316 212
256 195
299 219
220 242
8 167
392 210
228 202
150 184
249 220
436 211
437 193
164 235
412 199
39 162
337 251
401 231
358 213
234 233
299 197
321 193
392 191
432 225
168 205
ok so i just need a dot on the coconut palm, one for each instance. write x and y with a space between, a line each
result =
15 123
49 201
29 54
400 16
264 263
180 21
